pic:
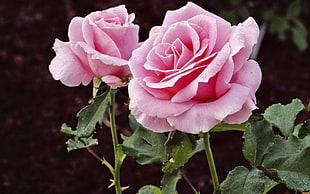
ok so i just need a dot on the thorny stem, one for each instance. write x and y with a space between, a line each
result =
115 144
216 185
117 163
102 160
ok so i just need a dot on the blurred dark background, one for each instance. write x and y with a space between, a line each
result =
33 155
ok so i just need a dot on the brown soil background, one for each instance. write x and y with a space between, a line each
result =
33 156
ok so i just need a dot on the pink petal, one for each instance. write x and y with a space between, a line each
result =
101 69
104 58
250 75
242 39
157 32
113 81
206 28
190 10
66 66
104 19
131 17
155 124
125 37
224 77
158 59
120 11
230 102
172 79
185 33
138 59
206 91
160 93
75 30
203 116
98 39
242 115
102 65
75 36
184 54
190 90
195 121
152 106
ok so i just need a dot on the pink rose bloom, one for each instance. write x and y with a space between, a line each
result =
194 72
99 46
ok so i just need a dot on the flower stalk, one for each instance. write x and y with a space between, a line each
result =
209 155
117 163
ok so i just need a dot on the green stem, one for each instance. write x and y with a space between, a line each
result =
96 85
102 160
215 180
117 164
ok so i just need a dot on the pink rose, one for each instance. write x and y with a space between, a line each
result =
99 46
194 72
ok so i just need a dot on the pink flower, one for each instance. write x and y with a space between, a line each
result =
194 72
99 46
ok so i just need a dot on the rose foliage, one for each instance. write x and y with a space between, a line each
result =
192 76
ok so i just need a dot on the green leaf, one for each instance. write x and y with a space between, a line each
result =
297 129
283 116
78 143
89 116
290 160
279 25
242 181
293 10
301 27
302 130
120 155
299 35
228 127
180 147
92 114
269 184
306 141
145 146
258 138
281 151
133 123
124 137
149 189
296 172
66 129
169 182
200 146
